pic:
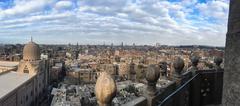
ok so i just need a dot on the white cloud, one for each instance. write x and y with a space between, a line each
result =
214 9
64 5
142 22
25 7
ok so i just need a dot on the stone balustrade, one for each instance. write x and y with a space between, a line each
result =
183 85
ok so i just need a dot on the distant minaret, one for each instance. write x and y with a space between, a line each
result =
111 45
77 46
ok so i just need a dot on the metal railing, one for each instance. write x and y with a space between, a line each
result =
202 89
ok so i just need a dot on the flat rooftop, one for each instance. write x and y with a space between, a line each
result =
12 80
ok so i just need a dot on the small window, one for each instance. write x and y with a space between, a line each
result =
26 98
26 70
31 93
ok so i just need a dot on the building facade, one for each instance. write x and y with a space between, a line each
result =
28 85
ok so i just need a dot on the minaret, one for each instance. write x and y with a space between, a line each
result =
231 85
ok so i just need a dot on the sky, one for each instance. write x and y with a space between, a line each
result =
168 22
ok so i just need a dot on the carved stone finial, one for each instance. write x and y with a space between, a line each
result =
152 77
218 61
193 68
178 65
194 60
105 89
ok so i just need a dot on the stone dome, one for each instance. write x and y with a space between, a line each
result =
31 52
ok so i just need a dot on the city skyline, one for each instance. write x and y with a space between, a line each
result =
170 22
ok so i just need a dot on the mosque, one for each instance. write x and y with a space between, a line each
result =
26 85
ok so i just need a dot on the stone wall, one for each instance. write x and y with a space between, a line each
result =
231 86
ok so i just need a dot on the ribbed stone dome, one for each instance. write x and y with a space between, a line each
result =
105 89
31 52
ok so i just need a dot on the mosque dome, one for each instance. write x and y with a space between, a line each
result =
31 51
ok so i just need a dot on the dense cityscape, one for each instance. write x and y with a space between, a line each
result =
69 72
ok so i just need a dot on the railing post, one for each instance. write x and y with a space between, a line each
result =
179 99
195 84
105 89
152 77
218 81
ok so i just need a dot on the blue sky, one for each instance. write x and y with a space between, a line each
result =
171 22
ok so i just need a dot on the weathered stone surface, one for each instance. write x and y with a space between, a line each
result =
231 88
193 68
178 65
163 69
105 89
152 77
218 61
141 101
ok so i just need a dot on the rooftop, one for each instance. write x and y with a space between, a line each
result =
14 80
8 64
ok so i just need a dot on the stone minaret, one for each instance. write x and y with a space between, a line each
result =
231 88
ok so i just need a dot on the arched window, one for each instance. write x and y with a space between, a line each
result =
26 70
27 98
31 93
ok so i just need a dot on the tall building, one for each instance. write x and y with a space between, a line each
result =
27 86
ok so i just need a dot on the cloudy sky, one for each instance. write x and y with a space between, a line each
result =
171 22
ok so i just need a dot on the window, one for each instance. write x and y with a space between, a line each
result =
26 98
31 93
26 70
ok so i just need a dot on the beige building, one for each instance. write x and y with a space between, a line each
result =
123 70
26 86
78 75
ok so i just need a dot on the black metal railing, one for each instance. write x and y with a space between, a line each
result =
202 89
